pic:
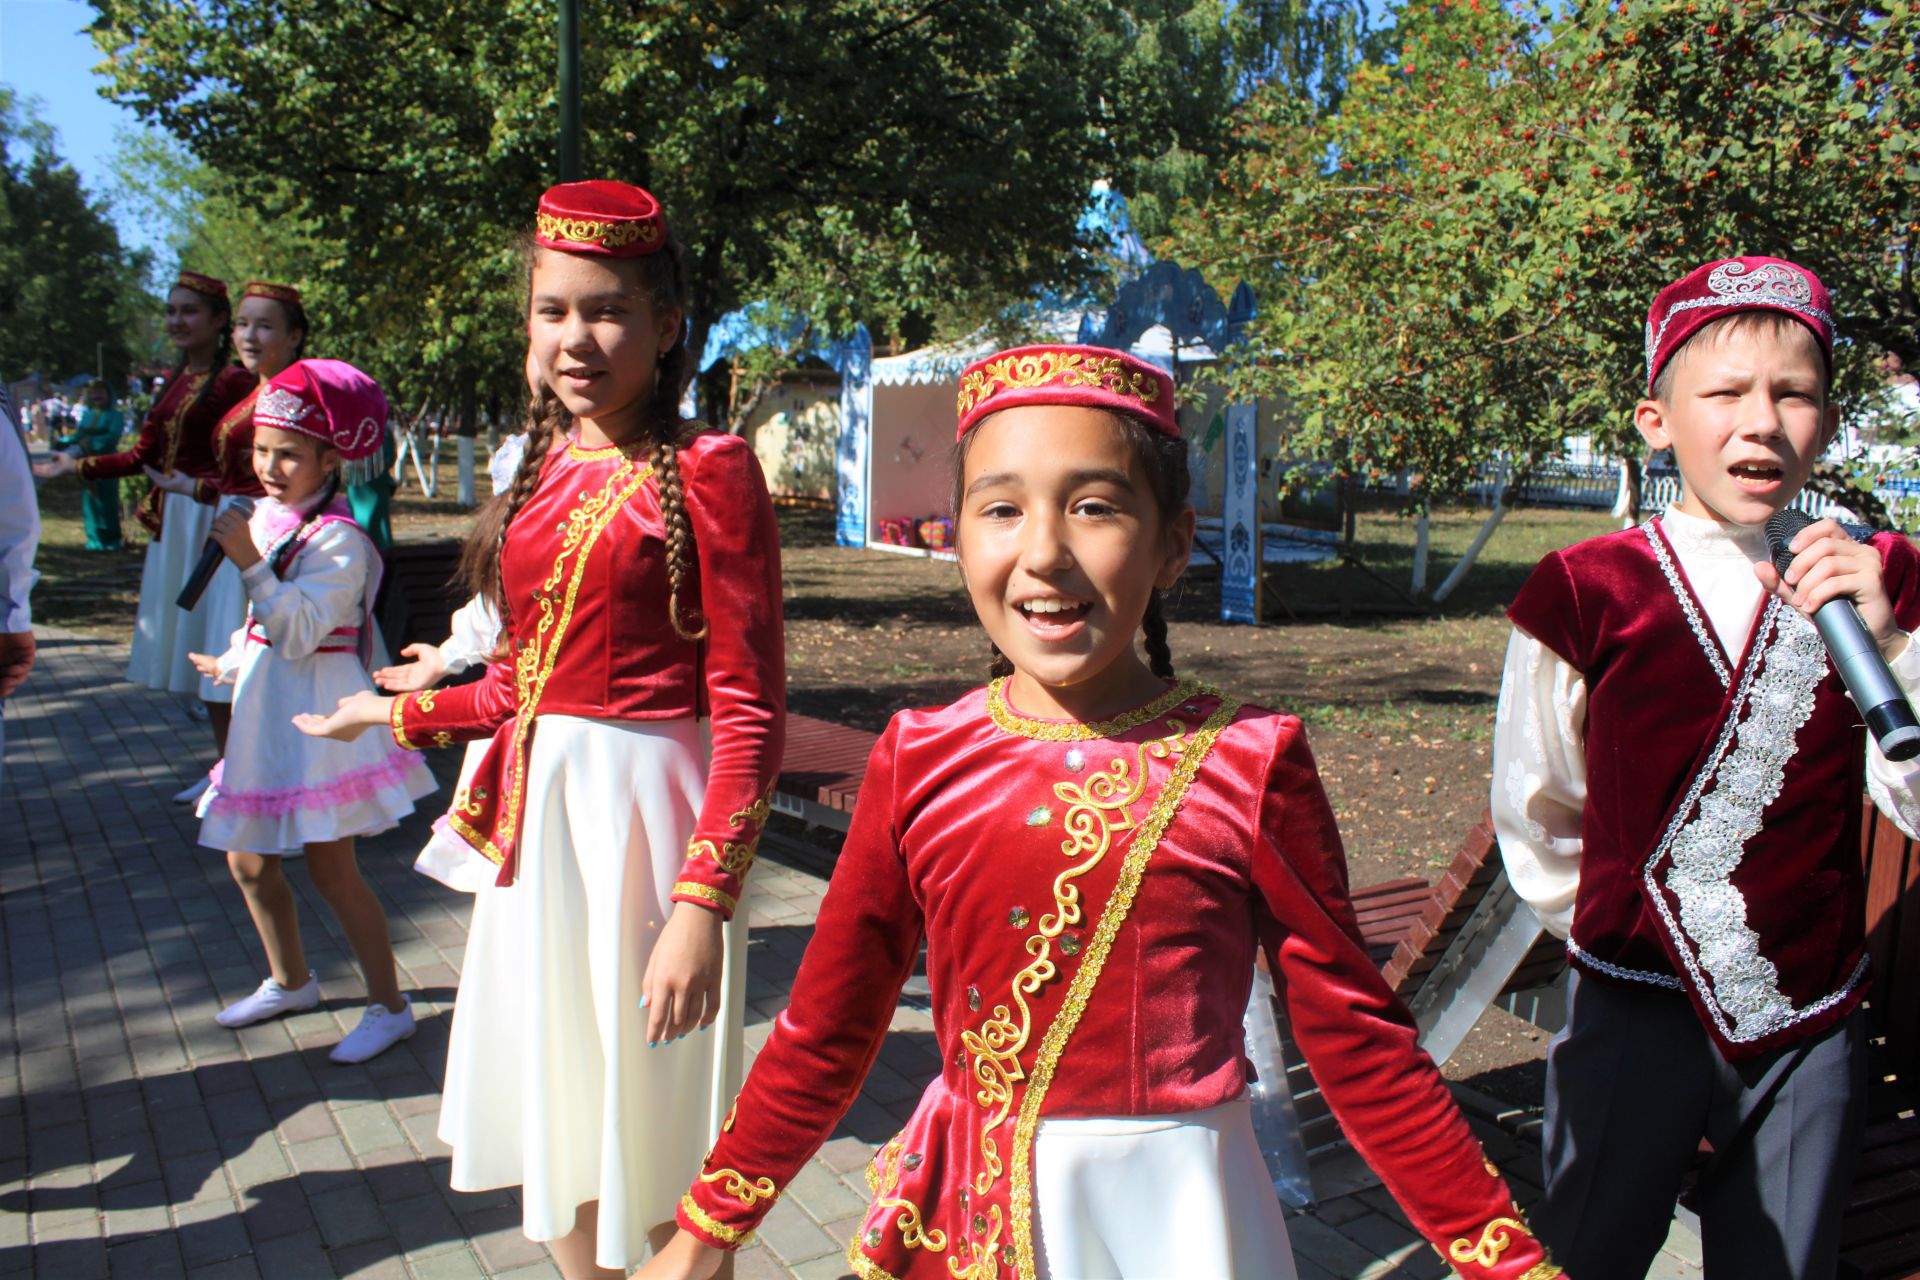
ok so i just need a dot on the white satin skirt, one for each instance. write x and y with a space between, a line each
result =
224 606
446 857
1148 1197
550 1083
164 633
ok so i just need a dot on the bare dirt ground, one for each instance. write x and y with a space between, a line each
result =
1399 705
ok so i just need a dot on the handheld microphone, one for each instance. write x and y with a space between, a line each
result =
1855 656
210 557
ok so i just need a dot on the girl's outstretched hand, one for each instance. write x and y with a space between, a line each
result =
681 987
60 464
170 481
356 713
686 1257
423 672
209 667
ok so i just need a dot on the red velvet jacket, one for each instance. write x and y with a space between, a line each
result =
1091 897
232 455
1720 839
176 435
584 572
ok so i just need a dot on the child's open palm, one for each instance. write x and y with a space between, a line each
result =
410 677
209 668
356 713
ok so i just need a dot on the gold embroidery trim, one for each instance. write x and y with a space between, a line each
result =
533 664
1115 913
747 1192
608 235
707 893
1495 1239
1068 368
424 699
396 719
230 422
605 453
863 1266
174 424
1005 717
1543 1271
914 1233
736 856
729 1237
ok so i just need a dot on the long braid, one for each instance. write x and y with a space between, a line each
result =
222 357
664 427
1154 628
1001 665
547 418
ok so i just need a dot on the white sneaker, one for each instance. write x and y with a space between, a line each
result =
270 1001
193 792
380 1029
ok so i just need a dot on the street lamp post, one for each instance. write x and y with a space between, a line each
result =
569 90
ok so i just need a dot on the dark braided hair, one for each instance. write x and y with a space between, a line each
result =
1164 459
662 277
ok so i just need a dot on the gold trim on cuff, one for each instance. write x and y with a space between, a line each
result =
396 715
729 1238
707 893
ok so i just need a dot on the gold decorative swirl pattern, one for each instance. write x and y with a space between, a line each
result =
1543 1271
1068 368
1005 717
731 1237
534 663
914 1234
983 1258
1080 991
736 1184
425 698
609 235
1495 1239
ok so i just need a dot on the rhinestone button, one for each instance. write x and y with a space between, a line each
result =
873 1237
979 1224
1076 759
1018 917
973 999
1069 944
910 1161
1040 816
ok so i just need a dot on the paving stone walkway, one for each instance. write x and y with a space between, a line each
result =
140 1140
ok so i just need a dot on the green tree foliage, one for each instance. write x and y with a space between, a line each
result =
71 299
1456 264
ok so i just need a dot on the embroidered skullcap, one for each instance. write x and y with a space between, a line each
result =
329 400
1717 289
276 292
207 285
602 218
1094 377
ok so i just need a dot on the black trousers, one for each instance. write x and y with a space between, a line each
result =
1633 1084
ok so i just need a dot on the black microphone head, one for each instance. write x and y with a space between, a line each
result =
244 505
1781 528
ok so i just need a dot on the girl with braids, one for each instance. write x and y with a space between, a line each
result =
270 333
637 718
1091 850
176 437
310 574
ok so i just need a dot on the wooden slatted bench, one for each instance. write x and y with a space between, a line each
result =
422 571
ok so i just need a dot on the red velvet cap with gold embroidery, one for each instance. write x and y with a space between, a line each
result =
267 289
329 400
1719 289
207 285
599 217
1093 377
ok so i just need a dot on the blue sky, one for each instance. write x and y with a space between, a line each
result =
45 54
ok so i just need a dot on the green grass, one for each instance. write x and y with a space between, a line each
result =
95 592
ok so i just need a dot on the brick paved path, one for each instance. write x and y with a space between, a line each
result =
139 1139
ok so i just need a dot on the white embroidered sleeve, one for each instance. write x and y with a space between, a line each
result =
476 629
327 591
1895 788
1540 778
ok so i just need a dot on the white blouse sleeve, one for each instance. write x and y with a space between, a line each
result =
1540 778
476 629
1895 788
327 591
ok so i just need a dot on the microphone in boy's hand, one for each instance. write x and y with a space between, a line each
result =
210 557
1855 655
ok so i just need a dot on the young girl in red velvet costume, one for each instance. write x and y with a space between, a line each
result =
1092 850
639 586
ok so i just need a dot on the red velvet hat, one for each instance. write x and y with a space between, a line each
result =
606 219
207 285
329 400
277 292
1719 289
1091 376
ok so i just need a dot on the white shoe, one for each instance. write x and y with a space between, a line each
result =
270 1001
193 792
380 1029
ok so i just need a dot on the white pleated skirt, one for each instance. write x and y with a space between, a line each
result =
164 633
550 1083
1148 1197
224 611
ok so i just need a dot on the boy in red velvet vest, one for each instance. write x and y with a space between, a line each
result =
1677 774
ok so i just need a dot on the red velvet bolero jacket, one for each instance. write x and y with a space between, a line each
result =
1720 838
1091 897
232 445
176 435
584 572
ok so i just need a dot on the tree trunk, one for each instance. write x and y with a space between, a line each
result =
1422 541
1502 504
